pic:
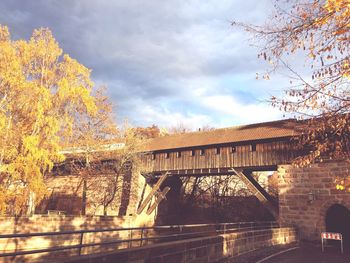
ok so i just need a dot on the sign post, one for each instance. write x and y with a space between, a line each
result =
332 236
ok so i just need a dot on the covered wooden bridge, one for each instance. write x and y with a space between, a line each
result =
230 151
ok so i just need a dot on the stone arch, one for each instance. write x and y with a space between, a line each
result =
338 220
321 222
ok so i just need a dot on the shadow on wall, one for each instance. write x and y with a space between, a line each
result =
95 194
70 204
237 247
39 223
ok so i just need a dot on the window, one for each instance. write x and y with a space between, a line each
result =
193 152
153 156
233 149
253 147
201 152
167 155
218 150
178 154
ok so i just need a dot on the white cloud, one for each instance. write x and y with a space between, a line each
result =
164 62
150 114
239 112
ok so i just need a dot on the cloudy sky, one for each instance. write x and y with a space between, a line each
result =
164 62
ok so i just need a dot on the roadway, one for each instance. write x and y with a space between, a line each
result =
308 253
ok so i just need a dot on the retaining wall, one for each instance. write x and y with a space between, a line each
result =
42 223
221 248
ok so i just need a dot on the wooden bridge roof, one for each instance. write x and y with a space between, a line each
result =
251 132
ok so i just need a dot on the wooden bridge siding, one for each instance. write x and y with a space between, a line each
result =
266 154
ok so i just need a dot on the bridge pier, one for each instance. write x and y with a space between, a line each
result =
306 195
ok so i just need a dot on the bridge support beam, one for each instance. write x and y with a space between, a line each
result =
260 193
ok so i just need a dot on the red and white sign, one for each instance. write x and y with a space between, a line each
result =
329 235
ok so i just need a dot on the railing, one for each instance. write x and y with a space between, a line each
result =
140 236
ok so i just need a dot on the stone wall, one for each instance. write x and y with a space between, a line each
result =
65 193
78 195
221 248
52 223
305 194
38 223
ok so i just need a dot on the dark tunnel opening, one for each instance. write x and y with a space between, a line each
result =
338 221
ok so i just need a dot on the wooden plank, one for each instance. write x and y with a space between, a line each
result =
235 159
250 156
174 160
254 159
195 159
258 156
218 158
266 154
232 161
279 153
214 158
262 154
239 155
162 162
187 161
159 198
246 155
228 158
152 192
273 151
206 162
269 152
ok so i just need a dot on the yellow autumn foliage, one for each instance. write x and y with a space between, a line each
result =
42 91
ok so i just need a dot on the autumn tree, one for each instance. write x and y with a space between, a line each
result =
42 91
92 133
97 139
181 128
317 34
92 139
152 131
131 165
108 167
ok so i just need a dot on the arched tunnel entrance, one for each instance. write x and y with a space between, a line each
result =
338 220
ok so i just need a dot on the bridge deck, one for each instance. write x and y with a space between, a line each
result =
257 145
260 155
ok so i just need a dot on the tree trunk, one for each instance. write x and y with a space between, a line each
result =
83 202
125 196
31 204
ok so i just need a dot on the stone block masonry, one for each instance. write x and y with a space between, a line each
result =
305 194
40 223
